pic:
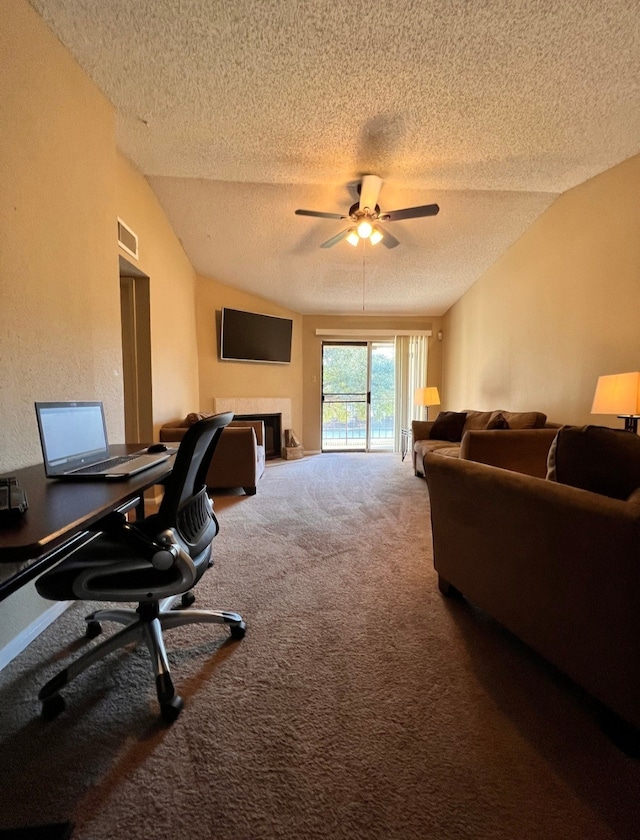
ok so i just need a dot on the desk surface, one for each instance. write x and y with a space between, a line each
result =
59 510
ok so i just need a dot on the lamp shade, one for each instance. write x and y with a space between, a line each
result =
618 394
426 396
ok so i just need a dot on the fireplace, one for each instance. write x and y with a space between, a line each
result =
272 432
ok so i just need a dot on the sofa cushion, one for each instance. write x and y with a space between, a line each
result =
497 421
596 458
476 420
523 419
448 425
421 447
448 451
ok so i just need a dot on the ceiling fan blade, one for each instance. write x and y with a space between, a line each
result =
337 238
388 240
411 213
369 191
319 214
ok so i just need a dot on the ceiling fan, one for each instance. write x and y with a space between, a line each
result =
365 216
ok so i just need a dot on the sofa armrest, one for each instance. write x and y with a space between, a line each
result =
522 450
556 565
421 429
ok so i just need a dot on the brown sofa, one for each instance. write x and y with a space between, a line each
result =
239 458
557 562
481 435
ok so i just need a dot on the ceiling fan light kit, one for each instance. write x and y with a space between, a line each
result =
365 219
376 236
365 229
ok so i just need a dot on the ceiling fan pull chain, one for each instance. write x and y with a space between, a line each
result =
364 245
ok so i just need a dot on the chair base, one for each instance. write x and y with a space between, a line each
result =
147 624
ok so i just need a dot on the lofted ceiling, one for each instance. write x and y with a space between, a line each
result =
240 111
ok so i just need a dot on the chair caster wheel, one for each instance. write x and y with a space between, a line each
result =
94 628
188 599
171 709
238 630
52 706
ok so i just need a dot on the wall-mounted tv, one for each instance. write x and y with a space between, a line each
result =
251 337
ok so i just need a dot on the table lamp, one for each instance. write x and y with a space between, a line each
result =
619 394
426 397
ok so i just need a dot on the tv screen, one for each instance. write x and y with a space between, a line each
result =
250 337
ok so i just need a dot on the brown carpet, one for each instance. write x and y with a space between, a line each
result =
360 704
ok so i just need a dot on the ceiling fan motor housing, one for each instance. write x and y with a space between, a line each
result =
356 213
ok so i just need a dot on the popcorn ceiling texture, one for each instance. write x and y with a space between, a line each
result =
240 112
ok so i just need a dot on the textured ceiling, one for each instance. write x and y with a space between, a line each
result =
240 111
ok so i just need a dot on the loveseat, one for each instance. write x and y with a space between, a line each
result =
239 458
456 434
555 560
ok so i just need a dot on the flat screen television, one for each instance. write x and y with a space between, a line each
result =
251 337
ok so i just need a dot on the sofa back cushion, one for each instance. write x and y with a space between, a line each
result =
595 458
497 421
476 420
448 425
523 419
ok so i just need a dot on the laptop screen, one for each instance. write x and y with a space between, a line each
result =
72 434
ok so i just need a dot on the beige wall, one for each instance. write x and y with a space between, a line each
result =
312 354
243 379
172 288
558 309
59 290
62 187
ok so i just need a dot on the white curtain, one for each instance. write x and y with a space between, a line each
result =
411 373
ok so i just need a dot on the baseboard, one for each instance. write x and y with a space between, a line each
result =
24 639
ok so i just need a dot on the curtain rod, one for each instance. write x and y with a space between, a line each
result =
373 333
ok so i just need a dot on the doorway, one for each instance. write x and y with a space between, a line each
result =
136 353
358 396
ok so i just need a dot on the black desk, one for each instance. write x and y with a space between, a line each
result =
59 514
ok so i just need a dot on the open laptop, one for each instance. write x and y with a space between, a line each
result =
74 443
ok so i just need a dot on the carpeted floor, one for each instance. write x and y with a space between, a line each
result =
360 704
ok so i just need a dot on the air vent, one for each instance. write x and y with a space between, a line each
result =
127 239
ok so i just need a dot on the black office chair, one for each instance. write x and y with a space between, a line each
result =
155 562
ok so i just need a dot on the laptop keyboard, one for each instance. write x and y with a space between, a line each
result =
106 465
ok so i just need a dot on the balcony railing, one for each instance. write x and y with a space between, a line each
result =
344 426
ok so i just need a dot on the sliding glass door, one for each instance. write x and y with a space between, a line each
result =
358 396
382 409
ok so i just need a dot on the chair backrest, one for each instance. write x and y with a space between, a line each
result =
192 461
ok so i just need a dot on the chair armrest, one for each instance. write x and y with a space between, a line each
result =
104 580
522 450
256 425
235 461
173 431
